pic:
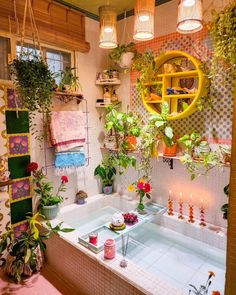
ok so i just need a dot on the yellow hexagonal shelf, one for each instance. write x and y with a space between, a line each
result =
179 80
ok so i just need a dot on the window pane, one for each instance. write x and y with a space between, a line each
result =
57 61
4 51
28 50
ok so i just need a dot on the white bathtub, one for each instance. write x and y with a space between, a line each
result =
89 273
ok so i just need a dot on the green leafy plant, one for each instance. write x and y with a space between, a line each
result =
106 171
199 159
225 207
44 188
116 53
123 125
157 128
223 34
25 252
34 83
69 79
145 64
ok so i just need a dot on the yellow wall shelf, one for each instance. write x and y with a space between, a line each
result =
175 79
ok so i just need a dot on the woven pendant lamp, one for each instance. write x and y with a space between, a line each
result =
144 20
189 16
108 32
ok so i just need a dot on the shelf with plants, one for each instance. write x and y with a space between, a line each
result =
180 82
65 96
107 83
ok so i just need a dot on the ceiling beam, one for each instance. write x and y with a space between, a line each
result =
96 17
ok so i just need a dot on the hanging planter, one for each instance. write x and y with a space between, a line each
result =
123 55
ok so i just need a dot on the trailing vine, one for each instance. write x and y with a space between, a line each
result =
223 34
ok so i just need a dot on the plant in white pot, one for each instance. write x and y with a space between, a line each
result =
123 55
48 202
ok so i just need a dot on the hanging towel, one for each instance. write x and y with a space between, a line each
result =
69 162
67 129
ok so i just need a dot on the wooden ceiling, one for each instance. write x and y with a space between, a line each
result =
90 8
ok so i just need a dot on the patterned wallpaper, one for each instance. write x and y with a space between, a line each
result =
216 124
18 152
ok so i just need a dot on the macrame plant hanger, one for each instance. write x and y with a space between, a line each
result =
35 32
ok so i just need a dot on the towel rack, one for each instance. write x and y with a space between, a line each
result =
66 97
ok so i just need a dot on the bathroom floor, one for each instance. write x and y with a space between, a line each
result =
44 283
173 260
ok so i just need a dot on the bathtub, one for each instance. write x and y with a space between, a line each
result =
158 257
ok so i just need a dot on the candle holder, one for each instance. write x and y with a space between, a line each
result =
170 208
191 214
180 216
202 217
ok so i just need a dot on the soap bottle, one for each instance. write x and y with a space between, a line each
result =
114 97
107 96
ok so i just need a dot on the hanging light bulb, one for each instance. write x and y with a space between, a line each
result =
144 19
108 33
189 16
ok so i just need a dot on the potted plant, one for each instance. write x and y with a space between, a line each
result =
25 252
69 81
199 159
143 189
34 83
157 129
123 55
106 172
48 202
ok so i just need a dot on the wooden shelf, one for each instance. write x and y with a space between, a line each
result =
179 96
6 183
185 74
68 96
107 83
160 155
154 101
153 83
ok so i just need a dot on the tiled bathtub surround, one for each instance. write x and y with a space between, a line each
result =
160 261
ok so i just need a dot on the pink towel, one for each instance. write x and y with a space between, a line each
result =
67 129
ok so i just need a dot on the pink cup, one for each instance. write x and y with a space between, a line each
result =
93 238
109 249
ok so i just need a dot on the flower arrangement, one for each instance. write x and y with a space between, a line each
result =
44 188
143 189
203 289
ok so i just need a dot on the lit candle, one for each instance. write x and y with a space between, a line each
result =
202 214
180 216
170 209
191 211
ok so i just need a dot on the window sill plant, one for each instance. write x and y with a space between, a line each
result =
25 253
106 172
48 202
69 81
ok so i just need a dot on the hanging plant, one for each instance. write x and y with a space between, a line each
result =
34 83
223 34
123 54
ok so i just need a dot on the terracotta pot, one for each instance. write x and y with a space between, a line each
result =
169 151
132 141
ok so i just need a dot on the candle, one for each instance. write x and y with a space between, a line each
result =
191 211
109 249
180 216
170 209
93 238
202 214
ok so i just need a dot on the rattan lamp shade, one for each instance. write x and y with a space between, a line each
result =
108 32
144 19
189 16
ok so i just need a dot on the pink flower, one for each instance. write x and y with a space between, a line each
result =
64 179
140 185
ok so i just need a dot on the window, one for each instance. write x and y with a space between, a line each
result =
4 51
57 60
